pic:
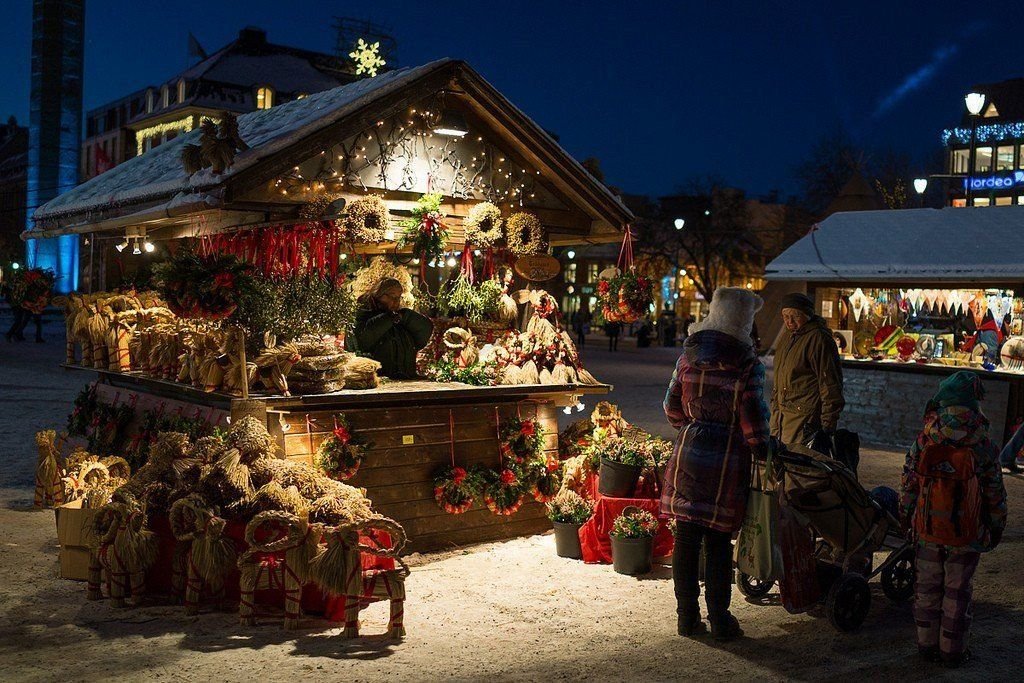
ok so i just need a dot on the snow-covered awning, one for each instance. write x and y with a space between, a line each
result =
981 244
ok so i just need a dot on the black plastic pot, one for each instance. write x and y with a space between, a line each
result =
632 556
617 480
567 540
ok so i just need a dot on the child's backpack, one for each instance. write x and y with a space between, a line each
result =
949 502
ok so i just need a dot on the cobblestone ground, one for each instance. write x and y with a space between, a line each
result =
504 611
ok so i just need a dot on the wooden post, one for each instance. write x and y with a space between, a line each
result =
244 369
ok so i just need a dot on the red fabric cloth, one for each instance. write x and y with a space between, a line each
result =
594 540
158 578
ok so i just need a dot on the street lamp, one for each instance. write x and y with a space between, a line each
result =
920 185
679 223
975 101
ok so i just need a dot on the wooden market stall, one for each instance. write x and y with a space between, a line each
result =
913 296
295 172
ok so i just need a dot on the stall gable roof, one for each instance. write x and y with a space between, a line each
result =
158 174
912 244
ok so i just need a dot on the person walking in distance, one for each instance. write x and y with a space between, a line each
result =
807 389
613 330
953 506
716 401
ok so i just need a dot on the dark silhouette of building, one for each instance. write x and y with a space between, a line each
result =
247 74
13 165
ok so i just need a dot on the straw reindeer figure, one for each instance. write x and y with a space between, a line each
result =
209 556
280 546
124 549
49 487
338 570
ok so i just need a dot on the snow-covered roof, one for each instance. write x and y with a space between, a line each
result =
159 172
965 244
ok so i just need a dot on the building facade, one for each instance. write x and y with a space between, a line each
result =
13 174
997 176
247 74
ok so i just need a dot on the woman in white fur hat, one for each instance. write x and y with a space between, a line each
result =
716 401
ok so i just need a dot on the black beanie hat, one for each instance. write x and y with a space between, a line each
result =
800 302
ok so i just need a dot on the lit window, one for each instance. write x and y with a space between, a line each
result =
302 96
1004 158
982 201
570 272
983 159
1004 201
991 111
958 203
149 101
181 91
264 98
593 270
1020 157
961 158
165 97
1020 200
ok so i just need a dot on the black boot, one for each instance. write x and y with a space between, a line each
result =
725 628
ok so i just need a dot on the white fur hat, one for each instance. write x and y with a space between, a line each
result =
732 313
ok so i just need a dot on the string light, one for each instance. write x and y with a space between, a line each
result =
989 132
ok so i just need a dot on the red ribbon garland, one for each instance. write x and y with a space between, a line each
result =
625 261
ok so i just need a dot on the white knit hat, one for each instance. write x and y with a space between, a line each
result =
732 313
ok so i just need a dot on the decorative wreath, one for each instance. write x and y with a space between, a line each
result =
484 225
546 481
625 297
424 232
340 456
455 488
525 234
520 440
367 219
503 492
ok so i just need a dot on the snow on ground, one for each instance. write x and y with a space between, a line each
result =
503 611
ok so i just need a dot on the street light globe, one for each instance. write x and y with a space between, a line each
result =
920 185
679 223
15 265
974 101
570 254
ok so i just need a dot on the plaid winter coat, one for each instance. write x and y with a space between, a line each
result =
959 426
716 401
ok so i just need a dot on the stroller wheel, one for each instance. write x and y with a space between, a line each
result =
898 577
752 587
848 602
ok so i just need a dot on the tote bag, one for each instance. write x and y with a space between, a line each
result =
757 548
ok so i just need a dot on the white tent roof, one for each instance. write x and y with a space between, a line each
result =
963 244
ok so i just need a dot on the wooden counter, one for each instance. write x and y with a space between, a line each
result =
410 427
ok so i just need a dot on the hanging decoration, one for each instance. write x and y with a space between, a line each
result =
282 251
546 480
623 294
503 491
455 489
424 232
367 219
525 234
340 454
201 286
367 58
484 226
520 440
31 288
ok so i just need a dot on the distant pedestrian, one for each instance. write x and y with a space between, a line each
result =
953 506
581 325
613 330
716 401
1013 450
807 388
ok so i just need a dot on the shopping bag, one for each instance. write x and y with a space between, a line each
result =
757 549
798 584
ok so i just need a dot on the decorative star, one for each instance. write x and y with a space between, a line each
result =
367 58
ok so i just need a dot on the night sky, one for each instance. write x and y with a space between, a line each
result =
661 92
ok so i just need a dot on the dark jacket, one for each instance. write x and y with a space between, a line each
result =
716 401
807 389
392 339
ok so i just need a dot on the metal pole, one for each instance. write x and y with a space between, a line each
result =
970 157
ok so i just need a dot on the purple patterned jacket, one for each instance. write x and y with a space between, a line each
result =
716 401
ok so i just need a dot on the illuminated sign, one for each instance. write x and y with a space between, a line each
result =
996 182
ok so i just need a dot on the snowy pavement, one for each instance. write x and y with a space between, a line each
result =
503 611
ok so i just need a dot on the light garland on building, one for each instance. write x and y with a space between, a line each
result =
182 125
990 132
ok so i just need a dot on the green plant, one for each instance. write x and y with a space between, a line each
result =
458 297
625 451
292 306
424 233
568 507
655 451
201 286
635 523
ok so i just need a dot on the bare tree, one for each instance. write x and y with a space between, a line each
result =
829 164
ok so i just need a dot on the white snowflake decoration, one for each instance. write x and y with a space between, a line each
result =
367 58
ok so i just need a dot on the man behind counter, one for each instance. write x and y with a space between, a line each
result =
389 333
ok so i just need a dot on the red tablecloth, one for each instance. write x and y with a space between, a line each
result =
158 578
594 540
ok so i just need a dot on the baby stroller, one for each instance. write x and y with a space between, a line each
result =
849 527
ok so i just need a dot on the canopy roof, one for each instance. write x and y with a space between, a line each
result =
979 244
277 137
